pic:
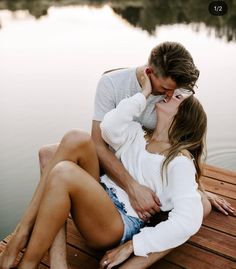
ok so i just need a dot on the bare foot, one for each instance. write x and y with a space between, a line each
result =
8 258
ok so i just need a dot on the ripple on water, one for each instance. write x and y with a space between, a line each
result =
224 157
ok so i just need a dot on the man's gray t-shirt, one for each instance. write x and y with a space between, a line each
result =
117 85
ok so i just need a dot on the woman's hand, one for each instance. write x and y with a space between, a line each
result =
219 203
117 255
145 83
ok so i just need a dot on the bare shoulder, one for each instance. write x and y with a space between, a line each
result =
186 153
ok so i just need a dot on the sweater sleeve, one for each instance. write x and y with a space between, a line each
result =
118 126
184 219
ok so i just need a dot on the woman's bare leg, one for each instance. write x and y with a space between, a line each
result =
74 147
71 188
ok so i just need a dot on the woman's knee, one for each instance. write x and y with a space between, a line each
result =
61 173
206 205
68 175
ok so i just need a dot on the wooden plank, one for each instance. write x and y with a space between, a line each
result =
219 187
2 246
191 257
163 264
76 259
218 221
42 266
218 242
212 247
76 240
7 239
219 173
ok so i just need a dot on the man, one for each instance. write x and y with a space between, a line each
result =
170 66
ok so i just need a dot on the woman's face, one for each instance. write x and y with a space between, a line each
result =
170 108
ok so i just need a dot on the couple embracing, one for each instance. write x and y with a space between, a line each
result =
148 136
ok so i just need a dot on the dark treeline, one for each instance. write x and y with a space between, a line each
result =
146 14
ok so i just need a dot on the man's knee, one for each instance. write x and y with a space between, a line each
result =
46 153
76 139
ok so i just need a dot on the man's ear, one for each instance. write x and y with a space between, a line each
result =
149 70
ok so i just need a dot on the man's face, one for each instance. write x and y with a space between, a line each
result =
162 85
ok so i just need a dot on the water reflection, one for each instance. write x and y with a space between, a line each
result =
147 14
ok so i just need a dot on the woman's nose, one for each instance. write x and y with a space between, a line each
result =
169 93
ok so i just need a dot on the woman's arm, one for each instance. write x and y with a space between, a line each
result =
184 219
118 128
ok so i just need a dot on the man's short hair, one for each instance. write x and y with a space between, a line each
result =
171 59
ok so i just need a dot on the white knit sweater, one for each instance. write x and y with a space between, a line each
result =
180 195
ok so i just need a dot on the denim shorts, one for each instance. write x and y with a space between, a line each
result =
132 225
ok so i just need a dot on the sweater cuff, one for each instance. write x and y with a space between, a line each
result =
141 100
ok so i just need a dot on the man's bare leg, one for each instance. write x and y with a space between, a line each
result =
71 148
57 252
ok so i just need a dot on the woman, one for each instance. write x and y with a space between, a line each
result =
102 221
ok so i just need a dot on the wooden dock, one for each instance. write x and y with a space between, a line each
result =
213 247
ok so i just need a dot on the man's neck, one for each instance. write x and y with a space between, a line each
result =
139 71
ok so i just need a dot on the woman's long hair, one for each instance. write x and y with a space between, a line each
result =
188 132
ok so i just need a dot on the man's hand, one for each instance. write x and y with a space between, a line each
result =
117 255
220 203
143 200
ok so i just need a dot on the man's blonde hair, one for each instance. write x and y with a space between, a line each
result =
171 59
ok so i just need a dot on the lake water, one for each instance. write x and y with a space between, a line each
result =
49 68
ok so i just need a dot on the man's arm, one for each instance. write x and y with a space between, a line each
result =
138 262
142 199
123 256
